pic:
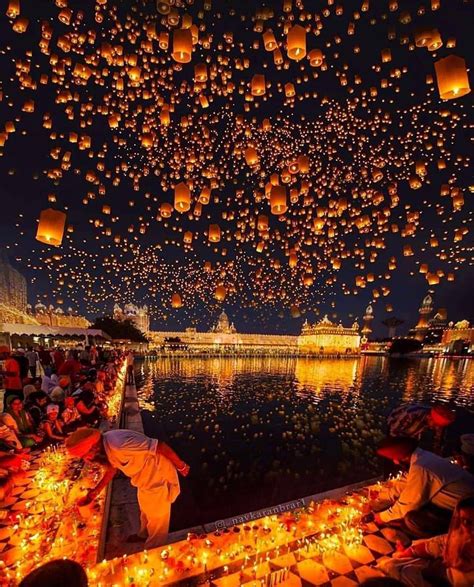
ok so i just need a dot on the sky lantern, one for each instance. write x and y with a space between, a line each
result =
134 73
205 195
425 36
163 6
51 227
432 278
452 78
415 182
182 197
188 237
269 40
277 57
278 204
315 57
176 301
386 55
182 45
214 233
200 72
257 85
166 210
251 156
423 268
296 41
165 117
220 293
262 223
13 9
289 90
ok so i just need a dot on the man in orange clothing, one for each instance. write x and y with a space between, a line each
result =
11 374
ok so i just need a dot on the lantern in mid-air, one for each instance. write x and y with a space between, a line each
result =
51 227
278 203
296 40
452 78
176 301
182 45
257 85
214 234
182 197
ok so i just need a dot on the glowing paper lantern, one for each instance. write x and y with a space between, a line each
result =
262 222
176 301
289 90
165 210
432 278
182 45
315 57
278 203
296 40
182 197
425 37
386 55
220 293
257 85
163 6
205 196
200 72
134 73
251 156
214 233
51 227
269 40
13 9
451 76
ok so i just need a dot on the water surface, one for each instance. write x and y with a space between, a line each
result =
261 431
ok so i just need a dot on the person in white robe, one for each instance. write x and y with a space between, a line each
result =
151 465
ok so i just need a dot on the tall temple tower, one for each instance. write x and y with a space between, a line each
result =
423 323
368 317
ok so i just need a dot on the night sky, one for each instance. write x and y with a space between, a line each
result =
93 272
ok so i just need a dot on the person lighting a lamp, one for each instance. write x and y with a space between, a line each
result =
151 465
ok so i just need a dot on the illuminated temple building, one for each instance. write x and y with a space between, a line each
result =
458 338
322 338
325 337
223 337
138 315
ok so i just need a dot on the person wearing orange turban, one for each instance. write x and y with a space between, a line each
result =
151 465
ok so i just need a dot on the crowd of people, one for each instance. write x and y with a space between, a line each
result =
48 394
55 397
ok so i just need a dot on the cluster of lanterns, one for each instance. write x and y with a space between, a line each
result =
248 142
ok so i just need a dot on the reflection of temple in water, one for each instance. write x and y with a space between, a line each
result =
318 375
411 380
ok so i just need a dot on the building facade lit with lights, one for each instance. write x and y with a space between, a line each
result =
322 338
325 337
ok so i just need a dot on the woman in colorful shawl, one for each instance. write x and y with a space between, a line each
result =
26 430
